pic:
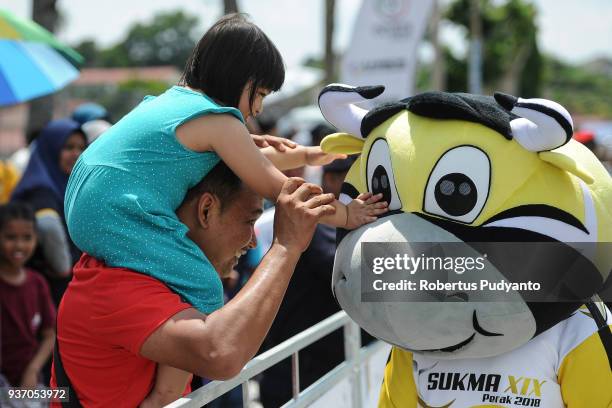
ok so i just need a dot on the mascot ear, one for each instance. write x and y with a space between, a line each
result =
342 143
568 164
337 104
543 125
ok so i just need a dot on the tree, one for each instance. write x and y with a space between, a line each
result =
580 89
90 52
230 6
44 12
330 11
509 47
167 40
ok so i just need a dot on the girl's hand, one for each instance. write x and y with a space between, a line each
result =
316 157
279 143
364 209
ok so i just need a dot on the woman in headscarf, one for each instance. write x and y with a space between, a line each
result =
42 186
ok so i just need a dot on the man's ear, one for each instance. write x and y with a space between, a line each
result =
206 203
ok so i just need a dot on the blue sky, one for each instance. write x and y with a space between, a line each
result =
573 30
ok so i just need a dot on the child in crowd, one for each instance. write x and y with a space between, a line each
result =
123 192
27 314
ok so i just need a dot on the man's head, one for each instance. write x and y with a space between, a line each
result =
220 212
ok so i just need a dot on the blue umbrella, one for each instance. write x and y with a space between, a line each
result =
32 61
31 69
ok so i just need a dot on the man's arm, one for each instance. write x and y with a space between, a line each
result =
217 346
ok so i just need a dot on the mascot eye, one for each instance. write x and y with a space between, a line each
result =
380 174
458 186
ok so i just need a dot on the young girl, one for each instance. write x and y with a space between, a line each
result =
123 192
27 330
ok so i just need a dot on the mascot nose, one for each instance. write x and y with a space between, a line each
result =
444 318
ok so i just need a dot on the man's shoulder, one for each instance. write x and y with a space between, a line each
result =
89 267
114 287
125 305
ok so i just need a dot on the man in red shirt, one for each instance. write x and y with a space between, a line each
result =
115 325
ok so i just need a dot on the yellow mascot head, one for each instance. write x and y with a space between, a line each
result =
475 171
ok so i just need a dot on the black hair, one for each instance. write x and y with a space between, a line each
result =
267 123
221 181
319 132
232 53
16 210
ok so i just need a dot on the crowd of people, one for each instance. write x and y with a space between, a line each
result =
132 249
38 256
37 253
61 197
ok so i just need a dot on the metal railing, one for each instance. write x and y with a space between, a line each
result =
349 368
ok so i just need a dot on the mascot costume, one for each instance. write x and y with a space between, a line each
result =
476 170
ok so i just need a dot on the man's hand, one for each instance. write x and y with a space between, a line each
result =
299 207
279 143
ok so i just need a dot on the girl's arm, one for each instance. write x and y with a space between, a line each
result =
299 156
170 383
229 138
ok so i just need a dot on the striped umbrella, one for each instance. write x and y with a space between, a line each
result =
32 62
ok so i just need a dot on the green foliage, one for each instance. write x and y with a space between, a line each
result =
532 82
509 44
143 86
579 89
457 72
167 40
510 49
89 50
314 62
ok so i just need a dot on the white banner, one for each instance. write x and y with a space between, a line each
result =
383 48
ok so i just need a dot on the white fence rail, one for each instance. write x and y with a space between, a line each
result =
349 368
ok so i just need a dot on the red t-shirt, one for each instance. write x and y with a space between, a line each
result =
25 310
105 316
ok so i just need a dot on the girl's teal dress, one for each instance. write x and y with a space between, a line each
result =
124 190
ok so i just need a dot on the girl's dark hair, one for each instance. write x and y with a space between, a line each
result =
15 210
232 53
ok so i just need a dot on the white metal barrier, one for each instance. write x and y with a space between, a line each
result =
349 368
